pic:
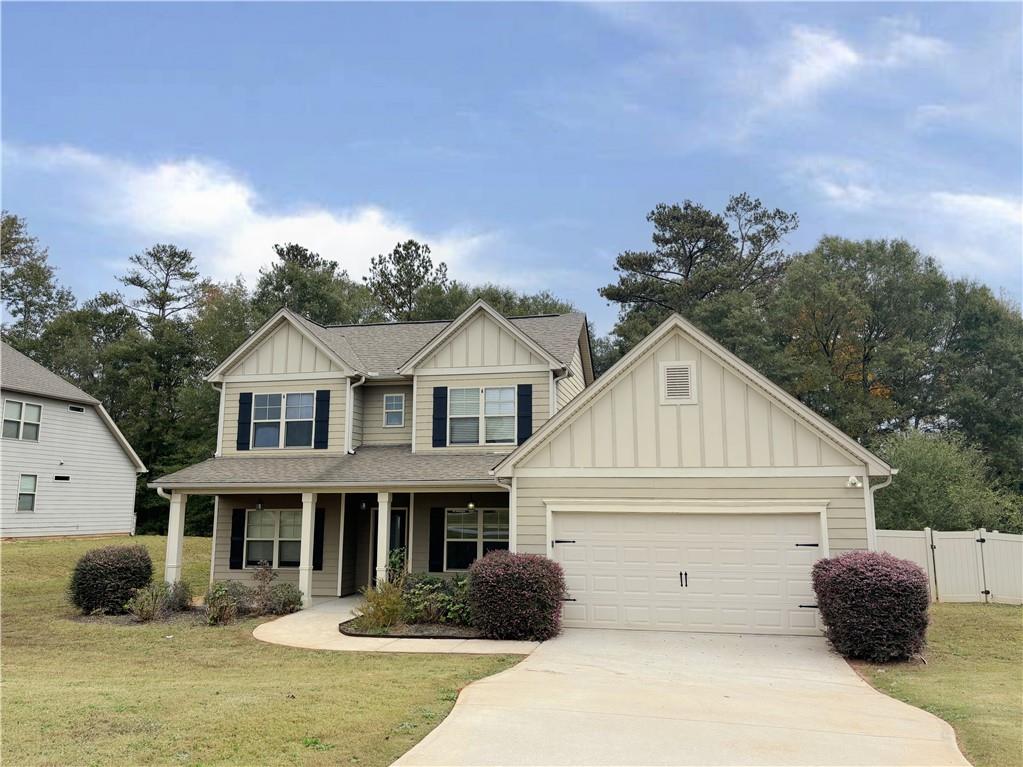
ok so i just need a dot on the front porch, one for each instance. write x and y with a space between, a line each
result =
333 544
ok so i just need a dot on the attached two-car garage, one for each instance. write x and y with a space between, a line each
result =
684 491
697 569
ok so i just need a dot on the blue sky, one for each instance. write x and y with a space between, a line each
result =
525 143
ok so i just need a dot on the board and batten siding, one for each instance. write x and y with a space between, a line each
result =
335 430
480 342
285 350
571 386
324 581
98 498
847 527
731 425
541 382
373 430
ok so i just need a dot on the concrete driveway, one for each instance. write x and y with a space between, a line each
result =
595 697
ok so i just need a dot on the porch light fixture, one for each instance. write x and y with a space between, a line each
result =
362 506
471 506
259 504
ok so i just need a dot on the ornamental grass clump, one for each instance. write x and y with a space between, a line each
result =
874 605
105 579
516 596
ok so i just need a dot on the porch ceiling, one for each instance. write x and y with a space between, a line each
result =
378 465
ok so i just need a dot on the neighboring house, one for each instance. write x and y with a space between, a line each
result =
682 490
66 468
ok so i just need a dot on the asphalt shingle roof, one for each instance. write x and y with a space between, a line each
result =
385 347
19 373
376 465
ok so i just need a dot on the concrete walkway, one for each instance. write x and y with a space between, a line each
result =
315 628
594 697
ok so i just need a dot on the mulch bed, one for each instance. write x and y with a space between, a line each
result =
411 631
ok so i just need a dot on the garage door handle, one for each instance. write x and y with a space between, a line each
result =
683 579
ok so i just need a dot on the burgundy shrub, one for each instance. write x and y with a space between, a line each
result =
516 596
874 605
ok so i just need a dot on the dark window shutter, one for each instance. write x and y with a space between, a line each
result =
244 420
440 417
237 538
318 539
436 540
322 419
525 411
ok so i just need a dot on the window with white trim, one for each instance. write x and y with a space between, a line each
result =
283 420
273 536
27 492
21 420
493 406
471 533
394 410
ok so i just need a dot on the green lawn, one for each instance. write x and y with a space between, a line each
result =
973 679
98 692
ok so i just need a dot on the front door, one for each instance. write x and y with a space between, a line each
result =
399 529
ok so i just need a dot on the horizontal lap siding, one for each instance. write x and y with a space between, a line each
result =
572 386
336 427
358 406
324 581
847 525
373 430
100 495
424 404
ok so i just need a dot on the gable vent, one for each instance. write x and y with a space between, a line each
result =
677 384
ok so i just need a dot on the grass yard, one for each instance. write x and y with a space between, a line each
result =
91 692
973 679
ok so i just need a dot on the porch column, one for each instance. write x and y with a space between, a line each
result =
383 534
305 555
175 537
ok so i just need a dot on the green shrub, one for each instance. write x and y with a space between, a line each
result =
179 597
382 607
943 483
221 603
104 579
284 598
432 599
149 603
396 561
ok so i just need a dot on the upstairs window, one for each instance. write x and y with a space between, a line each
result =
21 420
394 410
266 420
494 406
283 420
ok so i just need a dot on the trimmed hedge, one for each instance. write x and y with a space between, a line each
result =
106 578
516 596
874 605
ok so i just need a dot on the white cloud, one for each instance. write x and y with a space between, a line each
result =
845 183
811 61
219 216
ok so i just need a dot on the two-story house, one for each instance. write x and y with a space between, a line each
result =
66 468
682 490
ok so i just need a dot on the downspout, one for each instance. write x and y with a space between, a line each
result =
220 419
555 377
513 514
872 531
349 411
163 493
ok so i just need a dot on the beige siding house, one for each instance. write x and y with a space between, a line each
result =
65 468
682 490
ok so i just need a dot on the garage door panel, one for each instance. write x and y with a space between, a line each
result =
744 572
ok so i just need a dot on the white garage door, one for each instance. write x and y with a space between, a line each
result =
747 573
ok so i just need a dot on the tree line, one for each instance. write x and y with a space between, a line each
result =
872 334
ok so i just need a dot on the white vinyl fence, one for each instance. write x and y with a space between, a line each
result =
963 566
